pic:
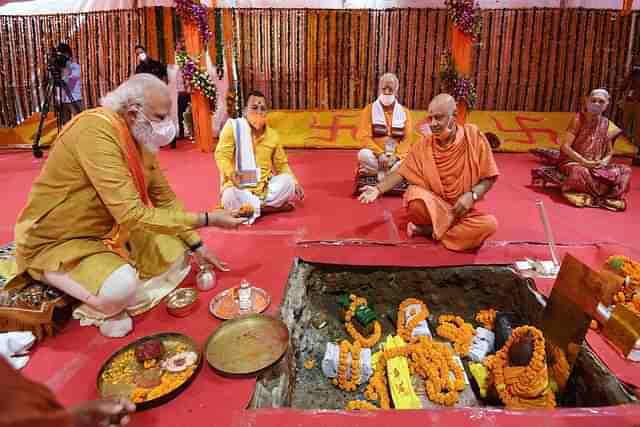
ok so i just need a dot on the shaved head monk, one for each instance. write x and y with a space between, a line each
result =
448 172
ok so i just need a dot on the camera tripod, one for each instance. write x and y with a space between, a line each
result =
55 88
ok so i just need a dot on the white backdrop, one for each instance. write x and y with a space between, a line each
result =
34 7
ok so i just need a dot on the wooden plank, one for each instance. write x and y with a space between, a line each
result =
552 72
516 51
412 39
536 52
596 75
403 48
571 49
504 80
525 61
440 46
494 59
481 80
422 29
547 33
605 50
585 82
576 92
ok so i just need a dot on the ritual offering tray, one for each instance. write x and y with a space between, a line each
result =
247 344
226 305
150 371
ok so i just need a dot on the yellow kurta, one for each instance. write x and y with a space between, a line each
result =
84 189
365 136
269 153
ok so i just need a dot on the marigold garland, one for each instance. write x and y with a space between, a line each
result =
406 332
356 405
345 348
455 329
560 368
629 294
377 328
487 318
431 360
521 393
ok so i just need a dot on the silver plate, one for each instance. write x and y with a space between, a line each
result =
225 305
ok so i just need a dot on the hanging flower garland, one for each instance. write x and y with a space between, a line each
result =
219 41
465 15
461 88
195 76
193 11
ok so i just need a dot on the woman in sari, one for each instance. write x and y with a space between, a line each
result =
583 162
591 181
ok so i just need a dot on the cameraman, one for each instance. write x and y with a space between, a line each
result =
71 76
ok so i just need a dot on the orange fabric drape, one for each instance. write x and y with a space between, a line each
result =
200 110
626 7
169 47
461 53
227 27
152 32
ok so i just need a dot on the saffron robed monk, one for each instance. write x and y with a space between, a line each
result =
448 172
102 223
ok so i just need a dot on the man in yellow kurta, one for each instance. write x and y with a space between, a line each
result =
101 215
385 131
448 172
253 165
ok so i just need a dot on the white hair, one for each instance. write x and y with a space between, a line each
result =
133 92
446 100
392 77
602 92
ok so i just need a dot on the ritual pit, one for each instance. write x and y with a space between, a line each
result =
311 310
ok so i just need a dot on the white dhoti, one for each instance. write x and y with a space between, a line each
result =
370 163
122 292
281 189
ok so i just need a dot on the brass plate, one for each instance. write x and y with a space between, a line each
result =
225 305
247 344
170 339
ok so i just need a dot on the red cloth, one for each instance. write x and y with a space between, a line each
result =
24 403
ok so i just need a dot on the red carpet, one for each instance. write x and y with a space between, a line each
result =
329 226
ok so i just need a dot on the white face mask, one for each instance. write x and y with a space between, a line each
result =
142 56
153 135
387 99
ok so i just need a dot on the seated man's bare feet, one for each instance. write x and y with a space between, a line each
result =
270 209
419 230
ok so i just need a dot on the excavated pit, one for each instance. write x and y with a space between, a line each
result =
312 298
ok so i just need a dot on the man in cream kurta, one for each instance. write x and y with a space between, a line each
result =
253 165
102 182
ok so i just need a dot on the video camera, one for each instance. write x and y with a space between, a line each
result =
56 62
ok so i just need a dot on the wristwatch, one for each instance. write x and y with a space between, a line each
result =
474 196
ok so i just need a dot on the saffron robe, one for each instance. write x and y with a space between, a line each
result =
438 175
364 134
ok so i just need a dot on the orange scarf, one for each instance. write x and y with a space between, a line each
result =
127 144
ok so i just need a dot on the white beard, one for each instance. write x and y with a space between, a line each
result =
140 135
